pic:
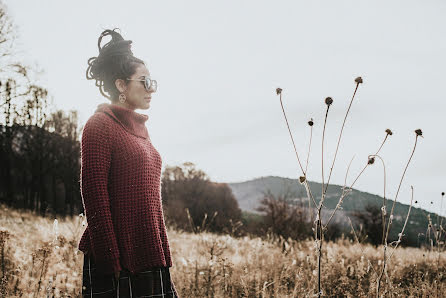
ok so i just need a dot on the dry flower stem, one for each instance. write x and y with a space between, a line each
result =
291 135
323 138
340 135
383 209
306 170
399 187
319 231
404 227
387 259
310 195
309 149
391 214
346 173
440 223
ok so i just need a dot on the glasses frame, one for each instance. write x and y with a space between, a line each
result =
148 83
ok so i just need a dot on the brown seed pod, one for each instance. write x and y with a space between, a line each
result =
328 101
311 123
302 179
358 80
371 160
389 132
279 91
419 132
442 194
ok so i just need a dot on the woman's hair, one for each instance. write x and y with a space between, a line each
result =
115 61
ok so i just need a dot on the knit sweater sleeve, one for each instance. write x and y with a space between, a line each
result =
96 155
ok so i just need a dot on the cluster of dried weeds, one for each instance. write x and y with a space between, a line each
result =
380 272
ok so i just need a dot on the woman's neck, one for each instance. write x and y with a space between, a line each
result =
124 105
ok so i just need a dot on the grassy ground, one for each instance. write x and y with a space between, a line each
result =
34 262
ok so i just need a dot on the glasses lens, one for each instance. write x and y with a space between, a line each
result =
147 83
154 85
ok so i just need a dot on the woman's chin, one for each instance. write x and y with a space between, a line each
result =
145 106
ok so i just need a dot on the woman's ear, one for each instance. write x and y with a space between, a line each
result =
120 85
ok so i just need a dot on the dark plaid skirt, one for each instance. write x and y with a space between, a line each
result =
154 282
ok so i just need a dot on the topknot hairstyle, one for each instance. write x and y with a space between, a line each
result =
115 61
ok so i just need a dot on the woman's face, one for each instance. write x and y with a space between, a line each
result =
137 97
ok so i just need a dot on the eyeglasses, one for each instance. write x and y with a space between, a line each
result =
148 83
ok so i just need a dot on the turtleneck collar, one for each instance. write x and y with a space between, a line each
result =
133 122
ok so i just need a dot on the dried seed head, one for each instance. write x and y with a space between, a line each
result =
419 132
328 101
371 160
279 91
358 80
432 202
302 179
389 132
442 194
416 202
311 122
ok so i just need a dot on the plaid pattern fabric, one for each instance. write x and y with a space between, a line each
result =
153 282
121 192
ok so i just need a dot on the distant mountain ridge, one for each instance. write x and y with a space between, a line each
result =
249 194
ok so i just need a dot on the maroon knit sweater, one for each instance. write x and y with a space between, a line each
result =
121 193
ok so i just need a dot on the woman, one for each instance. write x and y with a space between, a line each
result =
125 245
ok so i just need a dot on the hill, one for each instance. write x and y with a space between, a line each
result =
249 194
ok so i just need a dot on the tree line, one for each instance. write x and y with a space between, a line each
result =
39 147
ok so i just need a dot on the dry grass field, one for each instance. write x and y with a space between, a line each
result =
40 258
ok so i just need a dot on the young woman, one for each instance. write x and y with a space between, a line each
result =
125 245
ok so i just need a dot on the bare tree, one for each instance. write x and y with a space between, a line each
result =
284 217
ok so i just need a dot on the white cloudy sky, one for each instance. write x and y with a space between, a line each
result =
218 64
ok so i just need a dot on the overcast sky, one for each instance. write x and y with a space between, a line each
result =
218 64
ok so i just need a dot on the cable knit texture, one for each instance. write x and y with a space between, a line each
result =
121 193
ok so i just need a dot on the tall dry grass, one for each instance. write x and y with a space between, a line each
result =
40 259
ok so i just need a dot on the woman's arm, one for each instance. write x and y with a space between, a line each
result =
96 151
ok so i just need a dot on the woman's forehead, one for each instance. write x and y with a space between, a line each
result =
141 70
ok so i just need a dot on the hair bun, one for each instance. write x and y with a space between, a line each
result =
116 46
